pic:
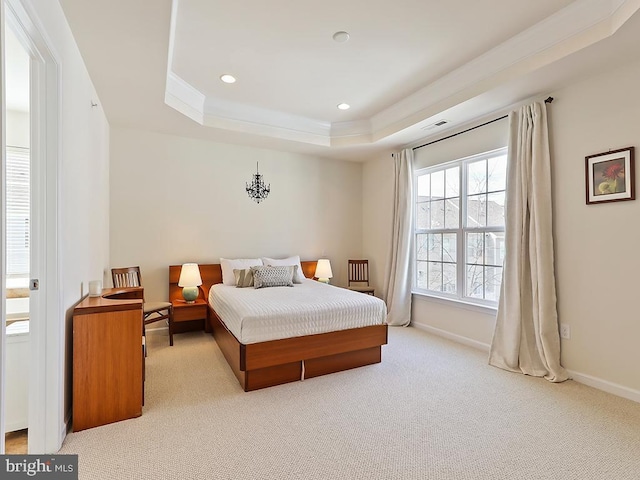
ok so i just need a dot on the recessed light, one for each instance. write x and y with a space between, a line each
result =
344 106
226 78
341 37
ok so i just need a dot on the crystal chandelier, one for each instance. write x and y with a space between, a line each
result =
257 189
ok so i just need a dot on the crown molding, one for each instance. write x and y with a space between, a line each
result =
580 24
218 108
576 26
210 112
267 129
348 129
183 97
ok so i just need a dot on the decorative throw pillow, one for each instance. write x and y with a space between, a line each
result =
268 276
298 276
227 266
244 277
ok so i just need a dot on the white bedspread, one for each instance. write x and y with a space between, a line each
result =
259 315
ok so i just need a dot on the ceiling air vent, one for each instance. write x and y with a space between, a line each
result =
434 125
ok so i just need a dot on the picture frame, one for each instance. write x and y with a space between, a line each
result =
610 176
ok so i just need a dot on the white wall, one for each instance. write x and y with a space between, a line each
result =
83 192
489 137
597 255
175 199
377 211
596 246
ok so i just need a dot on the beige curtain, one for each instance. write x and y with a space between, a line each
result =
526 337
397 291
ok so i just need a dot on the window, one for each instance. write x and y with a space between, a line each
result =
459 228
17 217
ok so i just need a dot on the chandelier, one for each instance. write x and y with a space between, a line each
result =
257 189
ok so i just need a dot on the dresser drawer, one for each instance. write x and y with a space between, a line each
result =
186 312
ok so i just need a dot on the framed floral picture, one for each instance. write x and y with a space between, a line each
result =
610 176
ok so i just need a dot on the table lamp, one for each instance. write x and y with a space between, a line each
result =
190 280
323 270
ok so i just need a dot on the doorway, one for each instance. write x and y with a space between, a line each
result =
17 240
45 357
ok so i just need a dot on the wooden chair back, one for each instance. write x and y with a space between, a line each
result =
358 271
126 277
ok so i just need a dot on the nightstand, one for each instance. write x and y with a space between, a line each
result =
185 315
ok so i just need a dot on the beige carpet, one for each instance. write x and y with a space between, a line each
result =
432 409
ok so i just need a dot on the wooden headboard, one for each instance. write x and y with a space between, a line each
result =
212 274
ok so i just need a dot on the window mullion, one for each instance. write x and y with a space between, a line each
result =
416 232
462 267
486 196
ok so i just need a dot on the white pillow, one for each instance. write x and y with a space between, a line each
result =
278 262
228 265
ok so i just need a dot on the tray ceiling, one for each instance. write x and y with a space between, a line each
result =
406 64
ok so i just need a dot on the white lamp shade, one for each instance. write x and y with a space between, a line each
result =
190 276
323 269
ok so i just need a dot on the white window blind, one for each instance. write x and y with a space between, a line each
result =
18 215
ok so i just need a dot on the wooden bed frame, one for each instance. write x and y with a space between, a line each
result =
265 364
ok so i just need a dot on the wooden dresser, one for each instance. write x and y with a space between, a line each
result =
108 358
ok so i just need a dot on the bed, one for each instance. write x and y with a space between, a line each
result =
261 363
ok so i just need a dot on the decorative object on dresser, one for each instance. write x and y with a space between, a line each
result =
359 277
95 288
108 358
153 311
257 190
190 280
323 270
260 361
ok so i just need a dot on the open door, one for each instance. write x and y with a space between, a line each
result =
34 270
17 236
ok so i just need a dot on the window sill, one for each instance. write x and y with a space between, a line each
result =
475 307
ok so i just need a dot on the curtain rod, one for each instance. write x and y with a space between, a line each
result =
547 100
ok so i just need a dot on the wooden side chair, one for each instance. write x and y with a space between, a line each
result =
153 311
359 277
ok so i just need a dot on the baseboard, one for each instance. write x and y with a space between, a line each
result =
64 429
452 336
156 329
606 386
600 384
